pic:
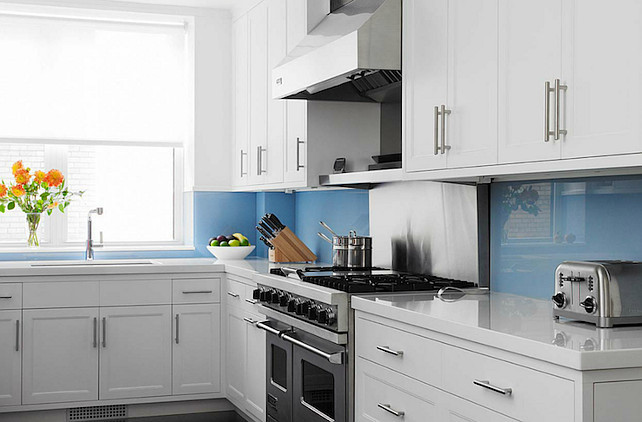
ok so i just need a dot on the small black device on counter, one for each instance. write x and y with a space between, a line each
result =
340 165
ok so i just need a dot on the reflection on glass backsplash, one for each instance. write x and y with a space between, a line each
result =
537 225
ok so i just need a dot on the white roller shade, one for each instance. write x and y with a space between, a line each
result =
73 78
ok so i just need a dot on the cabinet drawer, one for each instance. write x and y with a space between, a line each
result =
197 290
534 395
60 294
10 296
410 354
135 292
382 394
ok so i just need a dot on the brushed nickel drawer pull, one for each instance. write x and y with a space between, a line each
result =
234 295
95 334
388 350
197 292
387 408
177 325
17 335
558 87
6 297
250 321
252 301
104 332
487 385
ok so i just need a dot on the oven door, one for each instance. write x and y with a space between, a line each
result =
319 375
278 374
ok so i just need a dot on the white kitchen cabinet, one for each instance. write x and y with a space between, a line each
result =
530 54
136 352
255 368
10 357
241 102
236 354
603 41
60 355
196 352
450 83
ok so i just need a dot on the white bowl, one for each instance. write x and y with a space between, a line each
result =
231 252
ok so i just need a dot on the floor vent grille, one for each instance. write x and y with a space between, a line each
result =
115 413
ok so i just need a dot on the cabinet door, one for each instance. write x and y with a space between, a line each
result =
136 352
530 54
471 129
455 409
241 102
60 357
425 39
258 78
236 336
603 45
295 151
10 357
197 349
277 44
255 368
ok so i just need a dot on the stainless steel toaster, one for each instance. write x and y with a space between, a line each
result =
605 293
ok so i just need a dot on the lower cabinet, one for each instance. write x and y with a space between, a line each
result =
136 352
384 395
60 355
246 364
197 343
10 357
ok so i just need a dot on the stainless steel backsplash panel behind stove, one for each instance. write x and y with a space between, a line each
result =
426 228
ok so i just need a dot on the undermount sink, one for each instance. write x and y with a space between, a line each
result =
93 263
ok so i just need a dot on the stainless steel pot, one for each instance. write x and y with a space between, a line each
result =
339 249
359 251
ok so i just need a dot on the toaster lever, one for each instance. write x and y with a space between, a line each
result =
572 278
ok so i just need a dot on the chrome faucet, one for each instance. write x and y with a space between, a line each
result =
89 250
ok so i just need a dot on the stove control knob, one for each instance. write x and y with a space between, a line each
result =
560 300
302 308
283 299
332 318
589 304
256 294
275 297
292 305
264 296
322 317
312 313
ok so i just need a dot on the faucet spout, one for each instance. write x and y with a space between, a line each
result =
89 247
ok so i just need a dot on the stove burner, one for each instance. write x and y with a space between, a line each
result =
385 282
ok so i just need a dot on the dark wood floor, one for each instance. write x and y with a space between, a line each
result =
196 417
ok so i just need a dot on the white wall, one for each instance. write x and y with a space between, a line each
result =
207 164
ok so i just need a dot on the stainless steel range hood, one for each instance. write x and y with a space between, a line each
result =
353 54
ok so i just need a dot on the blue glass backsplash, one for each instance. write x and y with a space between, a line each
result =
536 225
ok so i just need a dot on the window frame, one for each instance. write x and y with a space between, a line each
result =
56 229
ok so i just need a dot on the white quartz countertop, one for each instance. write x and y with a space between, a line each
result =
516 324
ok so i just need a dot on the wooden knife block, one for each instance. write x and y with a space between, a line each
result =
289 248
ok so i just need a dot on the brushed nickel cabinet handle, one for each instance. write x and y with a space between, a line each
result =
547 111
558 88
299 142
250 321
95 334
234 295
243 154
195 292
487 385
17 335
6 297
104 332
436 130
444 112
388 350
177 339
387 408
259 160
252 301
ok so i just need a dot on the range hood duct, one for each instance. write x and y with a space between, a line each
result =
353 54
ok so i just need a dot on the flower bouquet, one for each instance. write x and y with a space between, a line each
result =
35 194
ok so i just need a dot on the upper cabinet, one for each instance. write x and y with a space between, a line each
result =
603 71
503 82
450 83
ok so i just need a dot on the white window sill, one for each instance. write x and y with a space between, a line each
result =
71 249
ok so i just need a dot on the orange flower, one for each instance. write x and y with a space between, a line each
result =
40 176
3 191
54 178
22 176
18 190
16 166
52 206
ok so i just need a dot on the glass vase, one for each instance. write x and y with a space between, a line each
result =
33 221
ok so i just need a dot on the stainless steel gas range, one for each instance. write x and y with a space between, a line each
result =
310 336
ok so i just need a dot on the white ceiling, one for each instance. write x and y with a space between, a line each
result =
213 4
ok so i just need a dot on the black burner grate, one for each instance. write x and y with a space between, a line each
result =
385 282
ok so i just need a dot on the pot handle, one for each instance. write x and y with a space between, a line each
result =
324 237
352 233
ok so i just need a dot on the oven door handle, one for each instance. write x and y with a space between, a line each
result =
336 358
263 325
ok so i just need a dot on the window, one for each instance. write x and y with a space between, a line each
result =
105 97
